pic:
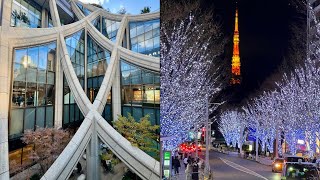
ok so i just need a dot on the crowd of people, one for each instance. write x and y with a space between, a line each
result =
191 166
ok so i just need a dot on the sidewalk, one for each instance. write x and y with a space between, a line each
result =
182 174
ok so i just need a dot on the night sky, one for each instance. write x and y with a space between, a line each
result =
263 28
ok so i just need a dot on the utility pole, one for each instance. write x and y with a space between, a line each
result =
207 165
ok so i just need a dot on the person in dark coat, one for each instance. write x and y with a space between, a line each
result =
176 164
314 160
195 171
79 167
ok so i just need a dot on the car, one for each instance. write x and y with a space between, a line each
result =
189 147
299 170
293 159
277 165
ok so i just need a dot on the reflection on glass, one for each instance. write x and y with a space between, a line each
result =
33 87
145 37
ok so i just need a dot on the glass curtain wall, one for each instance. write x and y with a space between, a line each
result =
98 60
110 28
140 92
33 89
84 10
75 46
25 14
145 37
32 98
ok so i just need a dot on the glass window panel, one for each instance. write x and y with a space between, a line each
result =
31 75
19 72
158 116
31 95
151 113
77 113
157 78
126 95
148 26
21 56
41 93
156 42
40 117
43 53
51 60
148 35
137 113
18 93
72 117
134 47
71 98
126 75
157 95
66 96
156 24
136 95
29 118
140 30
16 123
126 110
147 77
65 114
41 76
50 94
52 46
134 40
49 116
148 95
140 38
133 32
156 32
149 45
90 83
33 54
141 47
50 78
136 76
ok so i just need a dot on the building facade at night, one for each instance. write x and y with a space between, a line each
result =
68 64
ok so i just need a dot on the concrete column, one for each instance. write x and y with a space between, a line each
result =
85 59
54 13
116 94
92 154
6 14
5 87
58 105
44 18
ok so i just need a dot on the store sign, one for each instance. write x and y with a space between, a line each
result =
166 163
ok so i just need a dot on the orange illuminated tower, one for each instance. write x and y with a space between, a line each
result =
236 76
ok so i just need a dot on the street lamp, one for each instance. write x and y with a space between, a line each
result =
207 165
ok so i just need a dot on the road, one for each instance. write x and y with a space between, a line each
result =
231 167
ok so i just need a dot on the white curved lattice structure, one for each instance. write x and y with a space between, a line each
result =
93 126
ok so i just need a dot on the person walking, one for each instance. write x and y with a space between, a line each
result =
185 162
195 171
176 164
188 171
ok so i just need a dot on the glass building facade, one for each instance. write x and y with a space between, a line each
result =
33 89
25 14
140 92
145 37
76 47
33 102
98 60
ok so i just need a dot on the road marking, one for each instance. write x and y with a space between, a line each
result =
241 168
